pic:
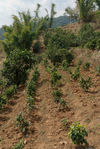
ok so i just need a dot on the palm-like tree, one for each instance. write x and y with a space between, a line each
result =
86 8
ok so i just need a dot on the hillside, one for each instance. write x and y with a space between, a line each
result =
1 33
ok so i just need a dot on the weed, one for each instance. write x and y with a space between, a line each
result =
64 122
19 145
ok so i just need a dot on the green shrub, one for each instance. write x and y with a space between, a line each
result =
86 66
16 66
37 47
36 74
65 65
21 123
60 39
98 70
86 34
9 92
63 103
31 88
77 133
86 84
19 145
30 103
55 77
2 101
57 94
57 56
76 74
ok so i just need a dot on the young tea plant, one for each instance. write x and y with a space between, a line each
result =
76 74
30 103
55 77
2 101
10 91
98 70
86 66
57 94
86 84
77 133
21 123
65 65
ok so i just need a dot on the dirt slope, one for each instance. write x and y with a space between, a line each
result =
46 130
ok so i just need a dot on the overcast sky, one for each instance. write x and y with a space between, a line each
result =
10 7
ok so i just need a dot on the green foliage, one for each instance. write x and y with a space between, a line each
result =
76 74
16 66
37 47
56 56
86 8
86 83
57 94
55 77
31 89
9 92
64 122
23 31
86 34
63 103
77 133
98 70
86 66
94 44
30 103
65 65
2 101
19 145
21 123
60 39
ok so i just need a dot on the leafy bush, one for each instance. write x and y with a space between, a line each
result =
19 145
60 39
57 94
86 34
94 44
76 74
31 88
65 65
10 91
86 66
55 77
30 103
58 55
37 47
2 101
98 70
77 133
16 66
86 84
21 123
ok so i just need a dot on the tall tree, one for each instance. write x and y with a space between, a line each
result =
52 14
86 7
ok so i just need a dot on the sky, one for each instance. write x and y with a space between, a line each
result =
11 7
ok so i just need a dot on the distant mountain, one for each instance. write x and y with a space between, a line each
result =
60 21
1 33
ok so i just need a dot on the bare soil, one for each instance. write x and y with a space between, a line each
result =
46 130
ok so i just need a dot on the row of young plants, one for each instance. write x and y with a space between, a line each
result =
31 89
21 123
77 132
